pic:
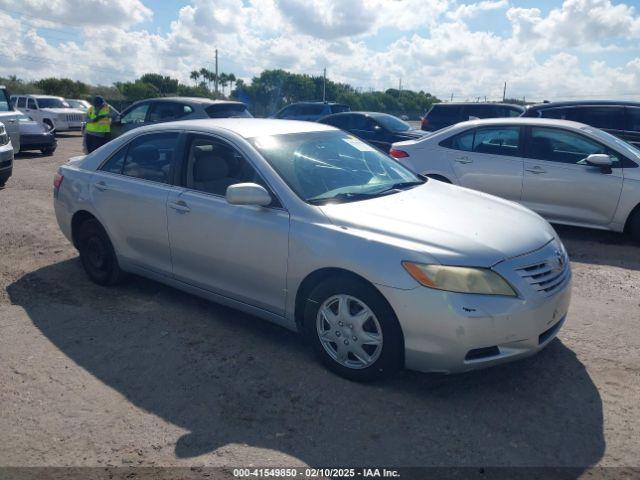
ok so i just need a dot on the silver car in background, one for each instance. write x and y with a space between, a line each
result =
568 172
311 228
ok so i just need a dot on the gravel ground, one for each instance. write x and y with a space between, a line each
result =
145 375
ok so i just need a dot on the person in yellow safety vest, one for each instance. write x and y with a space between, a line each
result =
98 128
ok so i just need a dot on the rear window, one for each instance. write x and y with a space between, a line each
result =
602 117
634 118
226 110
311 109
340 108
445 112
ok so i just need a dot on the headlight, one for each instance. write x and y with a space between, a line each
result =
459 279
4 138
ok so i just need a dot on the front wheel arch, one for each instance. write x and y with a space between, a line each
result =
632 225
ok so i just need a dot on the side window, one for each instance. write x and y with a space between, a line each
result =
136 115
341 121
463 141
497 140
31 103
634 119
167 111
447 114
558 113
358 122
611 118
150 157
213 165
561 146
22 102
116 162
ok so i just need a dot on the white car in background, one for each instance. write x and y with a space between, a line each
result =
53 112
78 104
568 172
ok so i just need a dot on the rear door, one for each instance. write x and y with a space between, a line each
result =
488 159
238 251
129 193
560 186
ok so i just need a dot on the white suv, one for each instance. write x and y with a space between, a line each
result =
53 112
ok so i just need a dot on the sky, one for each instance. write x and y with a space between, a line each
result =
545 49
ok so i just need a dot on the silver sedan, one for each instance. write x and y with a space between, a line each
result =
311 228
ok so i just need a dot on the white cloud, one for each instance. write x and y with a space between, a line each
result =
368 43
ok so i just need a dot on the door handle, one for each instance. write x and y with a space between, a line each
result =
464 160
536 170
101 186
180 206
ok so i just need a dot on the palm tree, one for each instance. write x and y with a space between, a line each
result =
195 75
206 75
231 78
223 79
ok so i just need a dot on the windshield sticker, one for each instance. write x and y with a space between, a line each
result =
359 144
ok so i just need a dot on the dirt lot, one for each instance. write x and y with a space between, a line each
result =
145 375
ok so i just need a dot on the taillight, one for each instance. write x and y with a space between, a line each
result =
57 181
425 122
395 153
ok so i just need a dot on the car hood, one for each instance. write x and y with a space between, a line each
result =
33 128
454 225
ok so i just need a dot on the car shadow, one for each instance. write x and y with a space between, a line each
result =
23 154
229 377
600 247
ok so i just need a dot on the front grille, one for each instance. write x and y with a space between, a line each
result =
74 117
547 276
485 352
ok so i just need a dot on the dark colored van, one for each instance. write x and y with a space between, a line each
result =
446 114
310 111
621 119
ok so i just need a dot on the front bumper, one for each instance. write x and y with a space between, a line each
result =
6 162
65 126
32 141
452 332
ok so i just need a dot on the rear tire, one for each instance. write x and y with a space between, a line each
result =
634 226
97 255
353 329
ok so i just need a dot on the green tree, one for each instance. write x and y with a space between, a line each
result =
62 87
164 84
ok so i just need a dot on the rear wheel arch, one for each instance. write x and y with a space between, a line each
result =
78 219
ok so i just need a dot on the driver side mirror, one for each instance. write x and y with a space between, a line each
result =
601 160
248 194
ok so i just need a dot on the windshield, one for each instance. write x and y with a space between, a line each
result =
630 149
52 103
77 104
333 166
5 106
392 123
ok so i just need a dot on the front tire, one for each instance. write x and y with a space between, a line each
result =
97 255
48 151
353 329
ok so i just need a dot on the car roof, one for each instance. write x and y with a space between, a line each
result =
245 127
202 100
549 122
316 103
493 104
576 103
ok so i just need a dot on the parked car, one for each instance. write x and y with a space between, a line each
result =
6 156
377 129
167 109
310 111
53 112
304 225
35 136
78 104
568 172
621 119
9 117
443 115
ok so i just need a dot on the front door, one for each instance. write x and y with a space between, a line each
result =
130 192
489 159
233 250
560 186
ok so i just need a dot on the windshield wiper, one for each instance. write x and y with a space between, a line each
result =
399 186
348 196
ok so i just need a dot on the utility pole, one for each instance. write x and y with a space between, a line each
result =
216 79
400 85
324 84
451 97
504 92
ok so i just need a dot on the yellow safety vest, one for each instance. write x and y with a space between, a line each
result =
103 125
